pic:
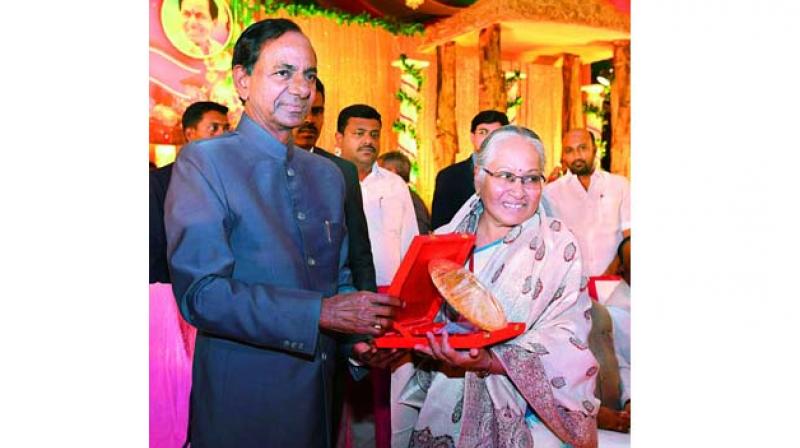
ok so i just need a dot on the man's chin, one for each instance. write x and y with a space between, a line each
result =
304 143
583 170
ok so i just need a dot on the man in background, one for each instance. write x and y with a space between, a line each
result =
456 183
398 163
360 252
392 225
387 202
204 119
359 249
593 203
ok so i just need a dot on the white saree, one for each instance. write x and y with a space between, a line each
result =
536 275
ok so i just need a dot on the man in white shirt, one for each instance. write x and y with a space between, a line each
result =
392 224
387 203
594 204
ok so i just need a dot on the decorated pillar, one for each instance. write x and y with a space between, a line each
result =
410 107
621 110
492 91
446 144
572 108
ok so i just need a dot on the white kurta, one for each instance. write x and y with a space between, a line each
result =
597 217
391 221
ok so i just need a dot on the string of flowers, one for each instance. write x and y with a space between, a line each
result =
405 125
514 101
244 11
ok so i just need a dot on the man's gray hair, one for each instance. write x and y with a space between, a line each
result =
493 140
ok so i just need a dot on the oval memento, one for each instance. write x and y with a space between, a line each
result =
467 295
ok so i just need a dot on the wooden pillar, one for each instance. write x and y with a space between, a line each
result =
571 104
492 91
446 144
621 110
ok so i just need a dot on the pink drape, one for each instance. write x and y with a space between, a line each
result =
171 350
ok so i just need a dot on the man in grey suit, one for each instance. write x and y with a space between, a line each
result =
257 248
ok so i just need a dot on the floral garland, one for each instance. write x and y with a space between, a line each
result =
599 114
405 125
244 12
514 101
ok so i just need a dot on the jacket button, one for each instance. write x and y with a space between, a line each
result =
301 216
290 172
312 262
324 356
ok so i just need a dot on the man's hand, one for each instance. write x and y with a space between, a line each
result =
374 357
360 312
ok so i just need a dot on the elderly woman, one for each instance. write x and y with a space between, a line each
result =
538 388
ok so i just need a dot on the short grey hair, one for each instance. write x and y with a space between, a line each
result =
493 140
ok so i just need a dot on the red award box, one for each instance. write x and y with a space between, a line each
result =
412 283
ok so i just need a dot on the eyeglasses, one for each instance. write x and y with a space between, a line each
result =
530 181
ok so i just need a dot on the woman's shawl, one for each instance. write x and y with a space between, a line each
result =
536 275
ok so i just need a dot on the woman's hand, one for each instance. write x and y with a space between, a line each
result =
474 359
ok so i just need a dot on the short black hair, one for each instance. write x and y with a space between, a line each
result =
212 8
488 116
194 113
355 111
320 88
404 164
248 46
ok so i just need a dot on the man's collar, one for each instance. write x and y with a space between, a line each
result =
375 169
263 140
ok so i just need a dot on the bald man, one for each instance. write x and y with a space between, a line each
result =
594 204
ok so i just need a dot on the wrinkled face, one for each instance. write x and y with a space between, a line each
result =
307 134
360 141
212 124
508 203
577 152
280 89
481 131
197 22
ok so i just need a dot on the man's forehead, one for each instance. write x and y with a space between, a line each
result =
213 115
489 126
195 5
282 51
577 137
363 123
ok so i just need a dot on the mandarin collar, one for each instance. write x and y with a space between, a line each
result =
263 140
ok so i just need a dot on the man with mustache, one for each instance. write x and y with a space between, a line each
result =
256 242
594 204
392 225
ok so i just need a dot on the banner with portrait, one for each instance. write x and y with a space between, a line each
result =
190 55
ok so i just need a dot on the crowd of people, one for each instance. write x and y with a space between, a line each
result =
280 253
